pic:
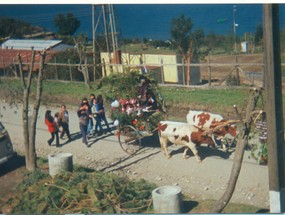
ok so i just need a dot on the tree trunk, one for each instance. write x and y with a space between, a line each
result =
82 58
33 124
244 132
86 72
25 121
188 71
29 127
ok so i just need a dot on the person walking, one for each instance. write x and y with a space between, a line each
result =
52 128
63 120
96 117
84 116
90 130
101 114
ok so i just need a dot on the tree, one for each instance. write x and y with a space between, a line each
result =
13 28
244 131
197 38
80 44
180 31
66 25
29 124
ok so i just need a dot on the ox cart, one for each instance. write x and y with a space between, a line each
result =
133 127
138 117
130 136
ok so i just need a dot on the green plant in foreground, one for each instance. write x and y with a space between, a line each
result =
80 192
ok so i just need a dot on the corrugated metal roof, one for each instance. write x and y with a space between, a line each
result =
23 44
62 47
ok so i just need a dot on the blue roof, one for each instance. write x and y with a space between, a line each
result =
24 44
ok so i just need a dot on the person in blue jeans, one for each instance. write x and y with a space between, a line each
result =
91 124
95 117
100 115
84 115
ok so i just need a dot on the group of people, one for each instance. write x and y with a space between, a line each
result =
89 111
91 114
60 119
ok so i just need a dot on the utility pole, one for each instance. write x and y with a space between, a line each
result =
112 28
104 28
93 40
274 108
234 27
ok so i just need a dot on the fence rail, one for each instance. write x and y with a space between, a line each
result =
210 73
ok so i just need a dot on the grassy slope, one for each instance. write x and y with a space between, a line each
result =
215 100
73 92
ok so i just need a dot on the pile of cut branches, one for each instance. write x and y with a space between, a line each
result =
125 85
80 192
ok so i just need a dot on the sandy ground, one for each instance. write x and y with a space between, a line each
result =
206 180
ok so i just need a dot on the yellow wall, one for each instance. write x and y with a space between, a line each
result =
169 65
169 61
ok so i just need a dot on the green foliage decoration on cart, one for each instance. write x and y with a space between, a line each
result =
136 99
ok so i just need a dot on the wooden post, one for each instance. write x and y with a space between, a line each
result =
273 88
209 72
104 68
183 71
4 67
237 71
162 71
70 73
55 69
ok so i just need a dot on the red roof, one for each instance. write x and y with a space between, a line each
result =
9 57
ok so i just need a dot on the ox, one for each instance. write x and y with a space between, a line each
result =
182 134
223 129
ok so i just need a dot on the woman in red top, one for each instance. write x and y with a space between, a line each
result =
52 128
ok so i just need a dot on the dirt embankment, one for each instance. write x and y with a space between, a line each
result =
248 67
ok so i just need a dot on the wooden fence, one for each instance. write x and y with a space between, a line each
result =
210 73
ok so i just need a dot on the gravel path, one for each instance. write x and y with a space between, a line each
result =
206 180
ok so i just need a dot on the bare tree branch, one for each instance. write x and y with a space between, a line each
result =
244 132
82 59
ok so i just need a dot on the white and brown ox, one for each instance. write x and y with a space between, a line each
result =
183 134
224 130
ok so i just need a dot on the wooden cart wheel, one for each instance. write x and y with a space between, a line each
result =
129 139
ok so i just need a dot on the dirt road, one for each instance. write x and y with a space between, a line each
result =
206 180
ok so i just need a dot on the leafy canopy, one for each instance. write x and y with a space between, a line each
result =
66 25
180 31
13 28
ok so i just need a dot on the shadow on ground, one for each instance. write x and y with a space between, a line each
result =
12 164
188 206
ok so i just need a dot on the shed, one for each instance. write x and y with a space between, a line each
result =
9 57
27 44
12 47
168 64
